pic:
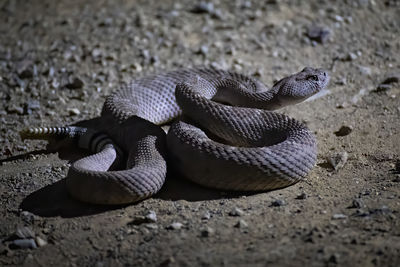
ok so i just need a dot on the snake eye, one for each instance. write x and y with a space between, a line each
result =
313 77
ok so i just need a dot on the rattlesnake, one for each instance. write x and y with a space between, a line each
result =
242 145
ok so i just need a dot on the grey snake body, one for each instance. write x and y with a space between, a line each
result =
228 137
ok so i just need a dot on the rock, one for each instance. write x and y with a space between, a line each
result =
137 220
341 81
203 50
365 70
203 7
75 83
23 244
207 7
383 88
241 224
396 169
151 226
96 53
392 78
278 203
13 108
318 33
351 56
151 217
31 105
358 96
236 212
27 216
337 161
207 231
168 262
342 105
73 111
344 130
24 233
334 258
24 69
387 82
40 242
206 216
357 203
175 226
339 216
381 211
302 196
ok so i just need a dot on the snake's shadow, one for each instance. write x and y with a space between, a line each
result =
54 199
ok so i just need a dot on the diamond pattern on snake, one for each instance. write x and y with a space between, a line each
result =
225 134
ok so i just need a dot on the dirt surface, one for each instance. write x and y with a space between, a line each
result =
59 59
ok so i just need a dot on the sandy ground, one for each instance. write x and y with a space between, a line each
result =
59 59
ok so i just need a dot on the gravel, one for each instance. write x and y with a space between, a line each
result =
106 43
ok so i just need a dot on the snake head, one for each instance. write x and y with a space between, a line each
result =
300 86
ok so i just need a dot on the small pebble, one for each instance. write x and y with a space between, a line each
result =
337 161
207 231
27 216
383 87
24 233
278 203
137 220
175 226
151 217
338 18
73 111
364 70
32 105
23 244
351 56
318 33
236 212
241 224
15 109
356 98
96 53
357 203
342 105
334 258
339 216
206 216
392 78
40 242
75 83
168 262
203 7
151 226
24 70
203 50
341 81
302 196
344 130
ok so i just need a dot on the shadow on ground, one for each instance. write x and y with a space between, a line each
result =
54 200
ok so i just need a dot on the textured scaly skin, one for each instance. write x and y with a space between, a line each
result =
251 148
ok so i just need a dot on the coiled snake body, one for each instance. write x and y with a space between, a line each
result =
227 138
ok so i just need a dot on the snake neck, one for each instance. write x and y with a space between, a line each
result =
266 100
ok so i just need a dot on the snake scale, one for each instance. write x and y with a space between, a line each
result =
227 136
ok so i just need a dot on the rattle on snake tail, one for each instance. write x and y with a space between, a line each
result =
242 144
